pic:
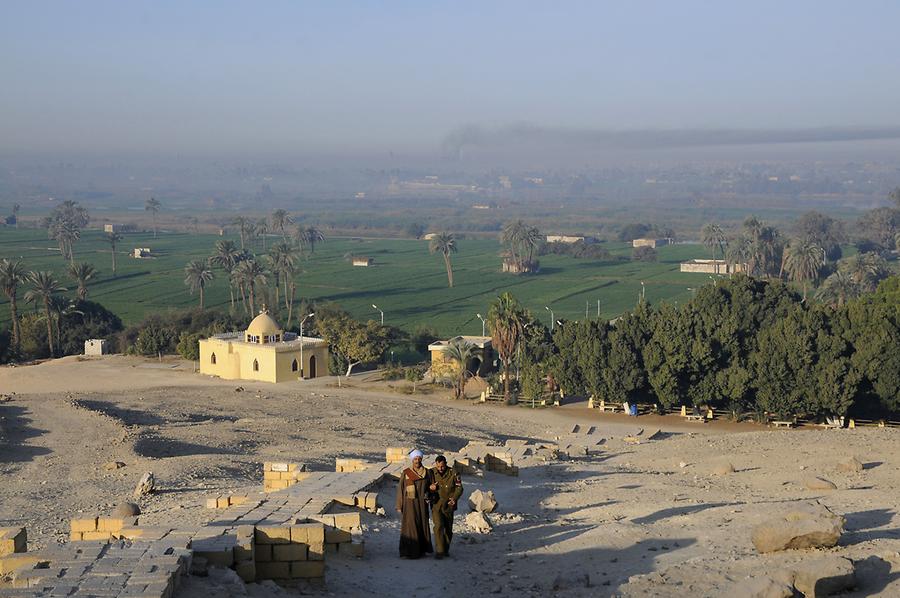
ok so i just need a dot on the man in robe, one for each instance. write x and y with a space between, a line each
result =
412 494
446 489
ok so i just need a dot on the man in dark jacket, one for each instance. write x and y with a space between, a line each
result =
446 491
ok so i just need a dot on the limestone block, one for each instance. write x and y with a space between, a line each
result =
483 501
289 552
84 525
799 526
273 570
272 534
12 540
825 576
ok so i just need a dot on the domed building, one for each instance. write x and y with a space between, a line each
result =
263 352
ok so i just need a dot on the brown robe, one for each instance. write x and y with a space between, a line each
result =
415 531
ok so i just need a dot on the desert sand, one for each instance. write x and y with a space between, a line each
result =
647 519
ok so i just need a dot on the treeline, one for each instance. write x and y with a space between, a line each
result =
742 344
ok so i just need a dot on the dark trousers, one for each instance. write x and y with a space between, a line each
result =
442 518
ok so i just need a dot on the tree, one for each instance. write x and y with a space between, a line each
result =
802 261
243 225
445 244
881 225
713 238
894 196
354 342
153 206
12 275
308 237
646 254
113 239
413 374
460 351
506 320
81 274
250 275
415 230
824 231
15 213
866 270
633 231
522 242
280 221
43 288
197 274
226 256
282 263
837 289
262 229
64 225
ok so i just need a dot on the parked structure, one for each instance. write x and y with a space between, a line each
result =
570 239
141 252
113 228
362 261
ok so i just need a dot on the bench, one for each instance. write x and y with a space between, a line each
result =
783 424
692 417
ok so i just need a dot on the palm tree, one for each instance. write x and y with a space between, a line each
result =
281 263
865 269
802 261
43 288
837 289
445 243
309 236
740 252
506 320
152 205
196 275
250 274
243 225
226 256
113 238
262 229
280 221
460 351
15 212
81 274
512 236
713 238
12 274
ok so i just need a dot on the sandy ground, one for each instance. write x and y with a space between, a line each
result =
635 520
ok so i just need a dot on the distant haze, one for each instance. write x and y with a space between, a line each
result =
416 78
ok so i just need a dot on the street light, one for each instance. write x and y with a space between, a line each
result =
306 317
552 319
382 313
482 323
643 290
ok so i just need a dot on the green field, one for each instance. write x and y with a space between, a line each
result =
408 283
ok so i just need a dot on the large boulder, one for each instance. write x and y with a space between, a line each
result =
824 576
478 522
723 468
146 485
803 525
126 509
819 484
483 502
762 587
850 465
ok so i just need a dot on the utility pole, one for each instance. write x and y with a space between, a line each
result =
309 315
552 319
598 309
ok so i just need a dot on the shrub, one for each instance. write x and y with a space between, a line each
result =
189 345
644 254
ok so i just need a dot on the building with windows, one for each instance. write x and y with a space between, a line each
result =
263 352
480 364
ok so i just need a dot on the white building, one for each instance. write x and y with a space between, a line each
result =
95 346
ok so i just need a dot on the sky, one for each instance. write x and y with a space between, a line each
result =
273 76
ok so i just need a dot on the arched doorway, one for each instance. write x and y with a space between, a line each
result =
212 359
294 366
255 365
312 366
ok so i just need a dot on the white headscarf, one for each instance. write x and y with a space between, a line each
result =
416 453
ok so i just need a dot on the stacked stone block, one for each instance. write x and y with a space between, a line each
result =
397 454
103 529
285 552
13 540
350 465
223 502
278 476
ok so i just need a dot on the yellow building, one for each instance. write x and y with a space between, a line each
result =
480 364
263 352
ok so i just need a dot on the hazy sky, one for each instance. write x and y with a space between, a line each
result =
345 76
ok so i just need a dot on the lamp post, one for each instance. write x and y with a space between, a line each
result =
482 323
552 319
306 317
375 307
643 291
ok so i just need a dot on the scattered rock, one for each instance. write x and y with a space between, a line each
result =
565 582
762 587
113 465
850 465
682 464
483 502
478 522
127 509
723 469
819 484
146 486
825 576
239 389
800 526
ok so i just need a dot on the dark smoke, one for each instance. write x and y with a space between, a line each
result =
525 134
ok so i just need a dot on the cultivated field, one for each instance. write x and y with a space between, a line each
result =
408 283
